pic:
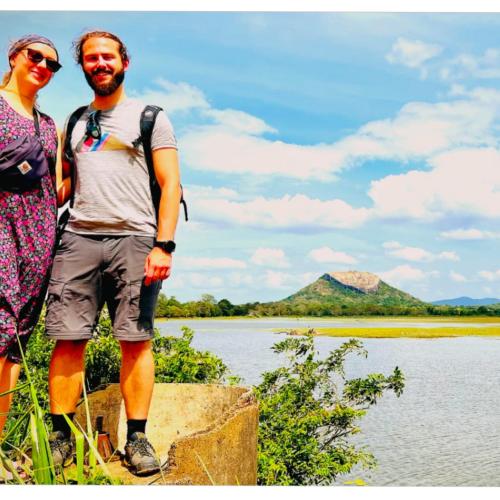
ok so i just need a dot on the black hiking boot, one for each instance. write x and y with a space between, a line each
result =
61 448
140 455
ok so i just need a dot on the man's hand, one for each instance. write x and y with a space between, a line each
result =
158 265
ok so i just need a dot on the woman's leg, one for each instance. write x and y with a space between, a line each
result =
9 373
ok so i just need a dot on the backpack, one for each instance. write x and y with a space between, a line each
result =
147 122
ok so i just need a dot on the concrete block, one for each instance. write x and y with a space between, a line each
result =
204 433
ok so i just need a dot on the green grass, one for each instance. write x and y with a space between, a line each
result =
403 332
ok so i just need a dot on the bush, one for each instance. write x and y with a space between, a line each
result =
308 411
175 361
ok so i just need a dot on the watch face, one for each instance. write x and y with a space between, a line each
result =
166 246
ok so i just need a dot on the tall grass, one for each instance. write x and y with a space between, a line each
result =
33 463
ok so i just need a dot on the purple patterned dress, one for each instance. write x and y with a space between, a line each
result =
27 237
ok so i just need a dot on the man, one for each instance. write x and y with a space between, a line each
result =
114 249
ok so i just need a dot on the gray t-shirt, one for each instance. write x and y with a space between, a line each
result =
112 192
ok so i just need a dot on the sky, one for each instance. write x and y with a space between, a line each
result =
314 142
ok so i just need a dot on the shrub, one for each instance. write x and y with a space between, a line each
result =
308 411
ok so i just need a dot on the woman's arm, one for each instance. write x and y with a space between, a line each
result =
63 174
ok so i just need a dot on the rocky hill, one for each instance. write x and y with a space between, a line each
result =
352 288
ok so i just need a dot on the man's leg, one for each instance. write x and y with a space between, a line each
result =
9 373
66 371
137 378
65 388
137 382
72 306
131 307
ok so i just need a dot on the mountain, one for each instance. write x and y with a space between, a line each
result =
351 288
466 301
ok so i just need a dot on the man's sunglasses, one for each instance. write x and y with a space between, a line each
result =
37 57
93 126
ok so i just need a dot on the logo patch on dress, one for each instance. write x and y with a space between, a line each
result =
24 167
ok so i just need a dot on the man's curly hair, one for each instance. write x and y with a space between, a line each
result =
78 44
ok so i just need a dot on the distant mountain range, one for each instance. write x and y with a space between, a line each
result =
466 301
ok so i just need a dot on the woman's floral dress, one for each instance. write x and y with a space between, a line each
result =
27 238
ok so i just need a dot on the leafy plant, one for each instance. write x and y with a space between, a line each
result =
175 361
34 463
308 411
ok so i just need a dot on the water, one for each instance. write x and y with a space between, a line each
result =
443 431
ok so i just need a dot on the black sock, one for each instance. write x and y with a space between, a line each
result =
135 426
59 424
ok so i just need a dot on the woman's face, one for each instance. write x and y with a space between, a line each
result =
30 64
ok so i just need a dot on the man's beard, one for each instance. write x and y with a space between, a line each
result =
105 89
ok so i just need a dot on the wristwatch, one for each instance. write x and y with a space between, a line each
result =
166 246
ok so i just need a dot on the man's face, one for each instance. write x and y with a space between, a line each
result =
102 65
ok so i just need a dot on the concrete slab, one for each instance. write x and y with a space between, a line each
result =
204 433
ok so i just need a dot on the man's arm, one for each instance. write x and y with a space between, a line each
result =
166 167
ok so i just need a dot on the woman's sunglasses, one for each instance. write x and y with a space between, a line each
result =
37 57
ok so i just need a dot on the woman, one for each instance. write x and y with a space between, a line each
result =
28 216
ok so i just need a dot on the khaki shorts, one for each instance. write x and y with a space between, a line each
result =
90 271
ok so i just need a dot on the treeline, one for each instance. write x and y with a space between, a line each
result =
206 307
209 307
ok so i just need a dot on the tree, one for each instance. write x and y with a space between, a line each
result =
226 308
308 411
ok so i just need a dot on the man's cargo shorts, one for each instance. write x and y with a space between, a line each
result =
90 271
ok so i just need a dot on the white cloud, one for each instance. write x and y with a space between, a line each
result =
485 66
412 53
239 121
204 281
328 255
391 245
173 97
207 263
415 254
469 234
247 154
194 192
448 256
289 212
461 182
490 275
417 131
276 279
237 279
270 257
288 281
457 277
406 274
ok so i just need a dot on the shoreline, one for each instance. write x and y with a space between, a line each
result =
400 326
361 319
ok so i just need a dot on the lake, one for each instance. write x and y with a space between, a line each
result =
445 428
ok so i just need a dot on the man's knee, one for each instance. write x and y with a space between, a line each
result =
70 348
135 349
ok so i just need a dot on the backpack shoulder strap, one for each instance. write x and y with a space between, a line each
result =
72 121
147 123
148 119
68 152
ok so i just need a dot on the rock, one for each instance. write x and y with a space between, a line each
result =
363 281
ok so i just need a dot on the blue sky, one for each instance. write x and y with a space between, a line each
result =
312 143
